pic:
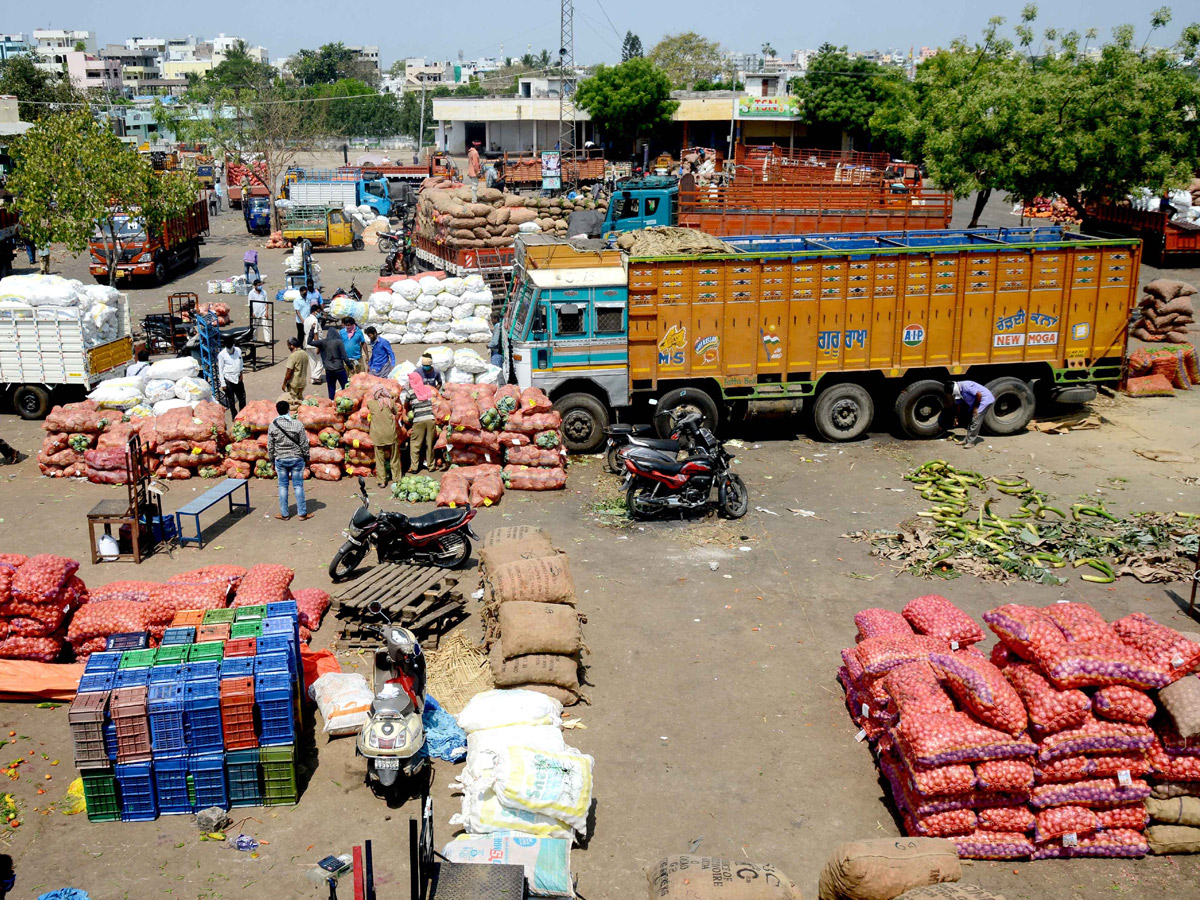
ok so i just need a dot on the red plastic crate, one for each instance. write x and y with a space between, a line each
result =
193 617
127 706
241 647
237 713
214 632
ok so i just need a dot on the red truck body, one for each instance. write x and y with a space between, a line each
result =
523 169
233 182
1163 241
148 254
772 164
439 164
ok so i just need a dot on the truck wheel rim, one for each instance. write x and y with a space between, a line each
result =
844 414
927 410
578 426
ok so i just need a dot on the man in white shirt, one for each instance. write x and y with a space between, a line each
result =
142 364
301 305
229 368
312 323
260 326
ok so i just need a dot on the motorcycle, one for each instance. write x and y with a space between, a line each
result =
401 259
393 736
441 538
621 437
657 482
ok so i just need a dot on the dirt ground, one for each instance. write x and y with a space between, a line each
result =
716 722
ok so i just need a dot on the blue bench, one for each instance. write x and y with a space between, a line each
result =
210 498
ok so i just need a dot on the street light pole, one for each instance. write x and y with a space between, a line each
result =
421 134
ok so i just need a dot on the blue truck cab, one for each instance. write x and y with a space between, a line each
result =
257 213
641 203
327 187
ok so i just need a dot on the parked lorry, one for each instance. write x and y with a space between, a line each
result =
438 164
579 167
256 175
330 187
174 245
773 164
320 226
858 325
44 355
1164 242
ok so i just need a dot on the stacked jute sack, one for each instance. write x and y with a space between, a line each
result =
1167 312
461 220
533 631
1174 802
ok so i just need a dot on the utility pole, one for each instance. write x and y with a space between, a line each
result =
566 104
421 133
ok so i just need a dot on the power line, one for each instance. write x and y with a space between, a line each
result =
610 21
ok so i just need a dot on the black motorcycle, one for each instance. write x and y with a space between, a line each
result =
621 437
441 538
657 482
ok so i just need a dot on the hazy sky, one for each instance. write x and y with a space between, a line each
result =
440 31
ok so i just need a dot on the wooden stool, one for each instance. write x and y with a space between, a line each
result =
115 512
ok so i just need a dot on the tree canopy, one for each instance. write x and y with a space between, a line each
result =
687 58
627 100
370 115
843 93
631 47
330 64
34 88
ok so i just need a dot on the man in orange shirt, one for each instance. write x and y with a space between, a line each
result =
474 169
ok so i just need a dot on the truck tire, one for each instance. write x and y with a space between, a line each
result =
687 398
195 256
161 274
32 401
1013 408
921 409
843 412
584 420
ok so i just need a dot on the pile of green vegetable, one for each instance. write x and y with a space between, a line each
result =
263 469
329 438
547 440
79 442
240 432
507 404
344 406
965 531
492 419
415 489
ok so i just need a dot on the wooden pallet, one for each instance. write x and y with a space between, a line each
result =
424 599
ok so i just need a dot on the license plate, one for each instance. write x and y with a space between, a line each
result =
387 764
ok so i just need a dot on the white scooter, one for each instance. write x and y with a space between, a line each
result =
394 735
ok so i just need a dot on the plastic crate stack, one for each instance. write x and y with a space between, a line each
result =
208 719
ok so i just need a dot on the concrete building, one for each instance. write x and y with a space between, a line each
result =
370 56
179 68
52 44
88 72
223 43
10 127
138 64
13 45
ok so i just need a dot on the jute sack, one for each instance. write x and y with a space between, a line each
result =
710 878
1177 811
884 868
562 695
546 580
533 547
513 533
1181 700
539 628
950 892
1165 790
1167 839
537 668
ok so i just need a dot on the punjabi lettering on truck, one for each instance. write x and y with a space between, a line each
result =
853 324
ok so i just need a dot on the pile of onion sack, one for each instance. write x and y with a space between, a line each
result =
1055 746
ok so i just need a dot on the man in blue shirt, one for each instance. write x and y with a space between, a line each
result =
314 295
352 337
383 358
301 305
971 397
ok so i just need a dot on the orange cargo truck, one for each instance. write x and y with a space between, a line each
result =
857 325
154 253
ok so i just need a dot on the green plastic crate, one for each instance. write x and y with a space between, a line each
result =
171 655
100 794
209 650
250 612
246 628
138 659
279 775
219 616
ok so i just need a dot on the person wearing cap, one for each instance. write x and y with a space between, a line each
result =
295 373
970 397
381 410
256 299
429 375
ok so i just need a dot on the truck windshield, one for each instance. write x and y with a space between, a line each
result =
126 229
524 302
375 188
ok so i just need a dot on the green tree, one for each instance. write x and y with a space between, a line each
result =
398 69
329 64
74 175
627 100
544 59
842 93
768 50
631 47
36 90
687 58
238 71
354 109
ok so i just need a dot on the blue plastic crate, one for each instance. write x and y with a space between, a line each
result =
281 625
110 738
202 701
103 661
170 781
208 670
244 777
278 643
96 681
276 716
208 780
271 662
130 640
165 705
237 667
131 677
283 608
272 680
162 528
166 675
138 800
179 634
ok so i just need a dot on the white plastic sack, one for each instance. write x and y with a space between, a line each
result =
346 305
102 293
491 375
440 314
193 390
482 813
453 338
458 376
111 395
417 328
163 405
467 360
400 304
391 337
436 337
430 285
38 290
463 310
500 708
471 325
474 283
529 228
173 369
159 389
366 210
454 286
413 337
419 316
479 337
408 289
401 372
482 297
551 783
381 301
483 312
546 861
484 748
344 701
398 316
426 301
443 358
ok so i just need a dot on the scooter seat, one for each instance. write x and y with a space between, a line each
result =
667 445
620 429
438 519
